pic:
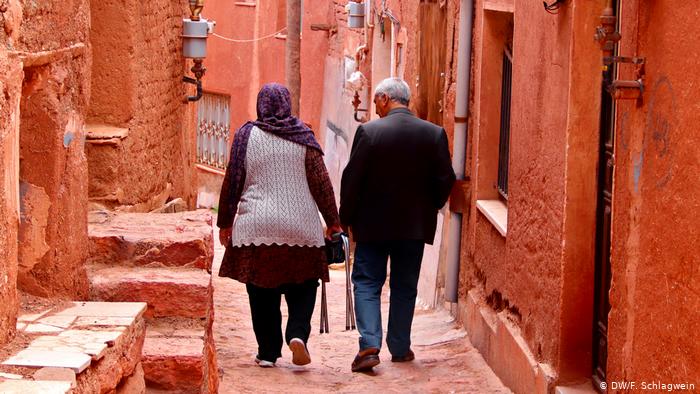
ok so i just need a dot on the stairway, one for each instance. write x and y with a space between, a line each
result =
163 260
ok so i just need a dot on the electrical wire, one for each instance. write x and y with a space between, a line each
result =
249 40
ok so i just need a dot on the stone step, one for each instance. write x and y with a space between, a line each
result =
182 239
179 355
182 292
96 348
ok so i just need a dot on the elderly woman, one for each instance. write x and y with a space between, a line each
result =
275 185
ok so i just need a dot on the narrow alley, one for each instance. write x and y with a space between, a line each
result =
531 167
446 362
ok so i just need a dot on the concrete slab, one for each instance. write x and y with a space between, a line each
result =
34 387
105 309
40 358
32 316
36 328
102 321
57 321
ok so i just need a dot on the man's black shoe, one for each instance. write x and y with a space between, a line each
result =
409 356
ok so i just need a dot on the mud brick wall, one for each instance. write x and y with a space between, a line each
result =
137 85
52 45
10 88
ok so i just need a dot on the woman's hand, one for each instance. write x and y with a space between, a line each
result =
333 230
225 236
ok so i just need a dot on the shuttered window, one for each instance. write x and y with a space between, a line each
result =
504 142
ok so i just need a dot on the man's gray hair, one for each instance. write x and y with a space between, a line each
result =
396 89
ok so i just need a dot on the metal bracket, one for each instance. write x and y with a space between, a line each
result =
608 37
608 60
198 70
196 82
356 103
331 29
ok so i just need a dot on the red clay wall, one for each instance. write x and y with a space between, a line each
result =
241 68
314 45
232 67
541 271
655 318
53 167
10 85
137 85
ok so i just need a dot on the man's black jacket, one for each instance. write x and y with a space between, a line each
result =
398 177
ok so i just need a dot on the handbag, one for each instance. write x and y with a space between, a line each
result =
335 254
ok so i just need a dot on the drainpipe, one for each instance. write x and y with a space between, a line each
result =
464 55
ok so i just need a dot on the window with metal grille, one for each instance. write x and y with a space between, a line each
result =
504 142
213 130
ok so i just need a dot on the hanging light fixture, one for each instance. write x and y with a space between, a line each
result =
553 8
356 14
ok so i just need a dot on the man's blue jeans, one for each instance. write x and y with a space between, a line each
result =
368 277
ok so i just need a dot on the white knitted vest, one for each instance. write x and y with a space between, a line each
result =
276 206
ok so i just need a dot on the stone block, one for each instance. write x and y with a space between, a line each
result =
178 239
134 384
35 204
174 363
168 292
171 342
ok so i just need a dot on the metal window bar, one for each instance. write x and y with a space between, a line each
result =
213 130
504 142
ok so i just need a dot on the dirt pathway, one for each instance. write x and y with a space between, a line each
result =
445 360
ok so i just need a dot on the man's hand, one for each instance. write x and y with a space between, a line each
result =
333 230
225 236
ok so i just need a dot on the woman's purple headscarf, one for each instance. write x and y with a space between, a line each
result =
275 116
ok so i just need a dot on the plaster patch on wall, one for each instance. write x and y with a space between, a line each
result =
67 139
638 171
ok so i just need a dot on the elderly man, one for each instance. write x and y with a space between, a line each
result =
398 177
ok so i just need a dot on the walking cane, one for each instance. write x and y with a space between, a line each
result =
324 309
349 307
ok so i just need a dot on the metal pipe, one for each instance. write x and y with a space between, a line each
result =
464 54
198 84
196 7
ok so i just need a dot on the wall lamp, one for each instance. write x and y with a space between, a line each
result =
195 31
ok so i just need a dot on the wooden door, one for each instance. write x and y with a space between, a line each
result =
606 167
432 22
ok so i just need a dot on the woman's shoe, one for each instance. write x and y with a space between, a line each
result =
300 355
264 363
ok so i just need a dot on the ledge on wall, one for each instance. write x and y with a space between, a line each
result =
100 134
499 5
496 212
